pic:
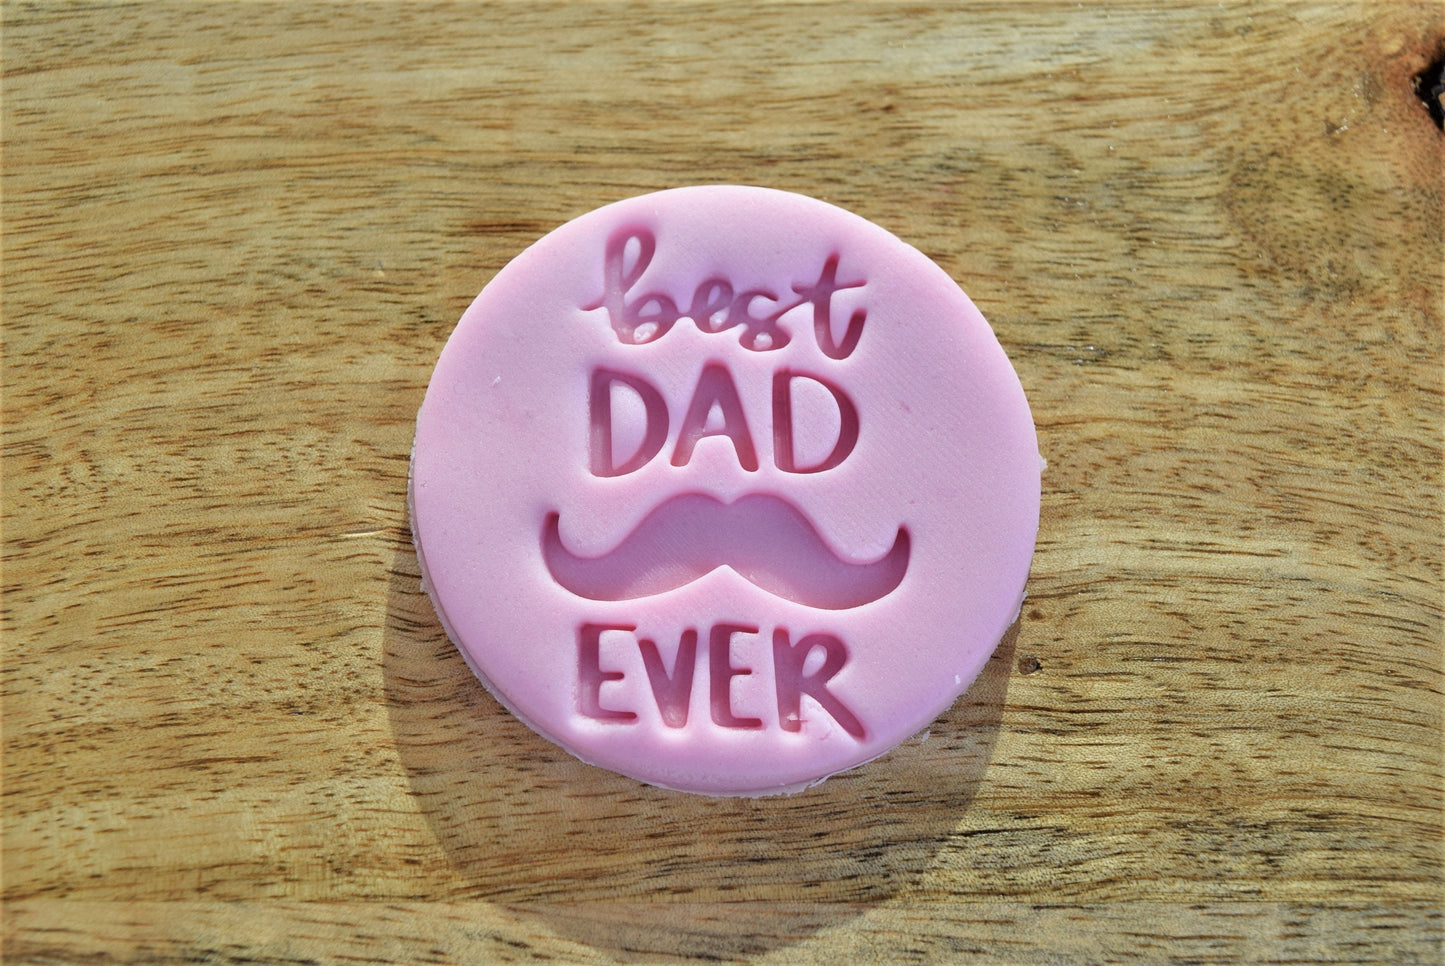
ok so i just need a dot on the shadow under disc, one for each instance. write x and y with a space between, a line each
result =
524 824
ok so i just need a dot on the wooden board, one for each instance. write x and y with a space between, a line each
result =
236 237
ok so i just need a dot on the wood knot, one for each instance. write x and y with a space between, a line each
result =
1430 88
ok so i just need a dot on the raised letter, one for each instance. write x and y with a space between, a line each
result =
719 654
715 388
792 683
600 406
783 453
674 692
591 677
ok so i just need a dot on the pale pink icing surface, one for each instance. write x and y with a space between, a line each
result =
712 561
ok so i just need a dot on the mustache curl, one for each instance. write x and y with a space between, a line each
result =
763 538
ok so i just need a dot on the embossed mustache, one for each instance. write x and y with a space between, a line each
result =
764 538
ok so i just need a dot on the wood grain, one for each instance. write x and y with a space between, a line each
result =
235 238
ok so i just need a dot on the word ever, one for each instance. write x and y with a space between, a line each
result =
672 690
716 305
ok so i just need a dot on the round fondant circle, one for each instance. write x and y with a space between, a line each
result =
725 489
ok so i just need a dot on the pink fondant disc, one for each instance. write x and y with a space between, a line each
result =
725 489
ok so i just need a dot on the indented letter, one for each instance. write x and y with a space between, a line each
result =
673 692
599 403
635 323
710 302
715 389
591 677
783 450
761 333
820 294
719 648
788 661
